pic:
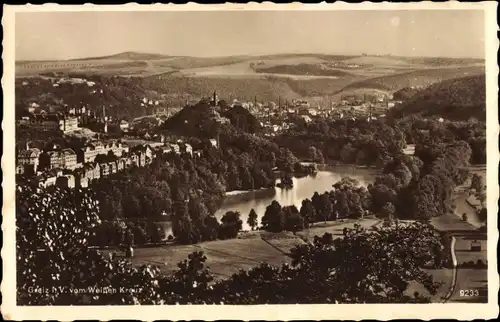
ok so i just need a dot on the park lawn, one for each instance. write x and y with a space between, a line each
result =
165 257
450 222
471 280
224 257
285 244
443 275
336 228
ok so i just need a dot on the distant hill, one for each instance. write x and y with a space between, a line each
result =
123 97
128 55
423 77
173 80
442 61
455 99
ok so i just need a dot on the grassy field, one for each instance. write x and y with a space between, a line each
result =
226 257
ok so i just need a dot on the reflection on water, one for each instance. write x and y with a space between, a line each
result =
302 188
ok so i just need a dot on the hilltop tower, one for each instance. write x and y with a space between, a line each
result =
215 100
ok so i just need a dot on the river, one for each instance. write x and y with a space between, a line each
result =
304 187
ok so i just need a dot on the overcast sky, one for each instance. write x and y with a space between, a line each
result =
67 35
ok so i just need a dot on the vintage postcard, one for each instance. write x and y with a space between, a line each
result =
250 161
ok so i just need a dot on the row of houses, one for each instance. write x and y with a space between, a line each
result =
49 122
93 149
70 159
82 175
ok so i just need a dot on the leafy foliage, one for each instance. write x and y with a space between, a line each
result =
345 141
53 255
54 263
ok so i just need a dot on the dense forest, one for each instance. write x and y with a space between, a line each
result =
419 130
455 99
122 97
345 141
410 187
189 190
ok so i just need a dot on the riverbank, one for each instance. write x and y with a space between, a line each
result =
467 235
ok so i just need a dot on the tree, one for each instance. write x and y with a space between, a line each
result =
367 254
211 228
54 227
483 215
182 226
189 283
231 225
308 212
477 183
481 196
252 219
326 207
388 211
360 267
274 218
315 155
294 221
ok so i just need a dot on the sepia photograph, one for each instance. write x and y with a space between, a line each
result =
169 156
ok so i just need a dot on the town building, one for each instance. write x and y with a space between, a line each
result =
89 153
105 170
188 149
69 159
165 149
124 125
29 159
96 171
176 148
19 169
66 181
68 124
113 167
51 160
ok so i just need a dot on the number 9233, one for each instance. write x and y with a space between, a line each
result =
469 293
